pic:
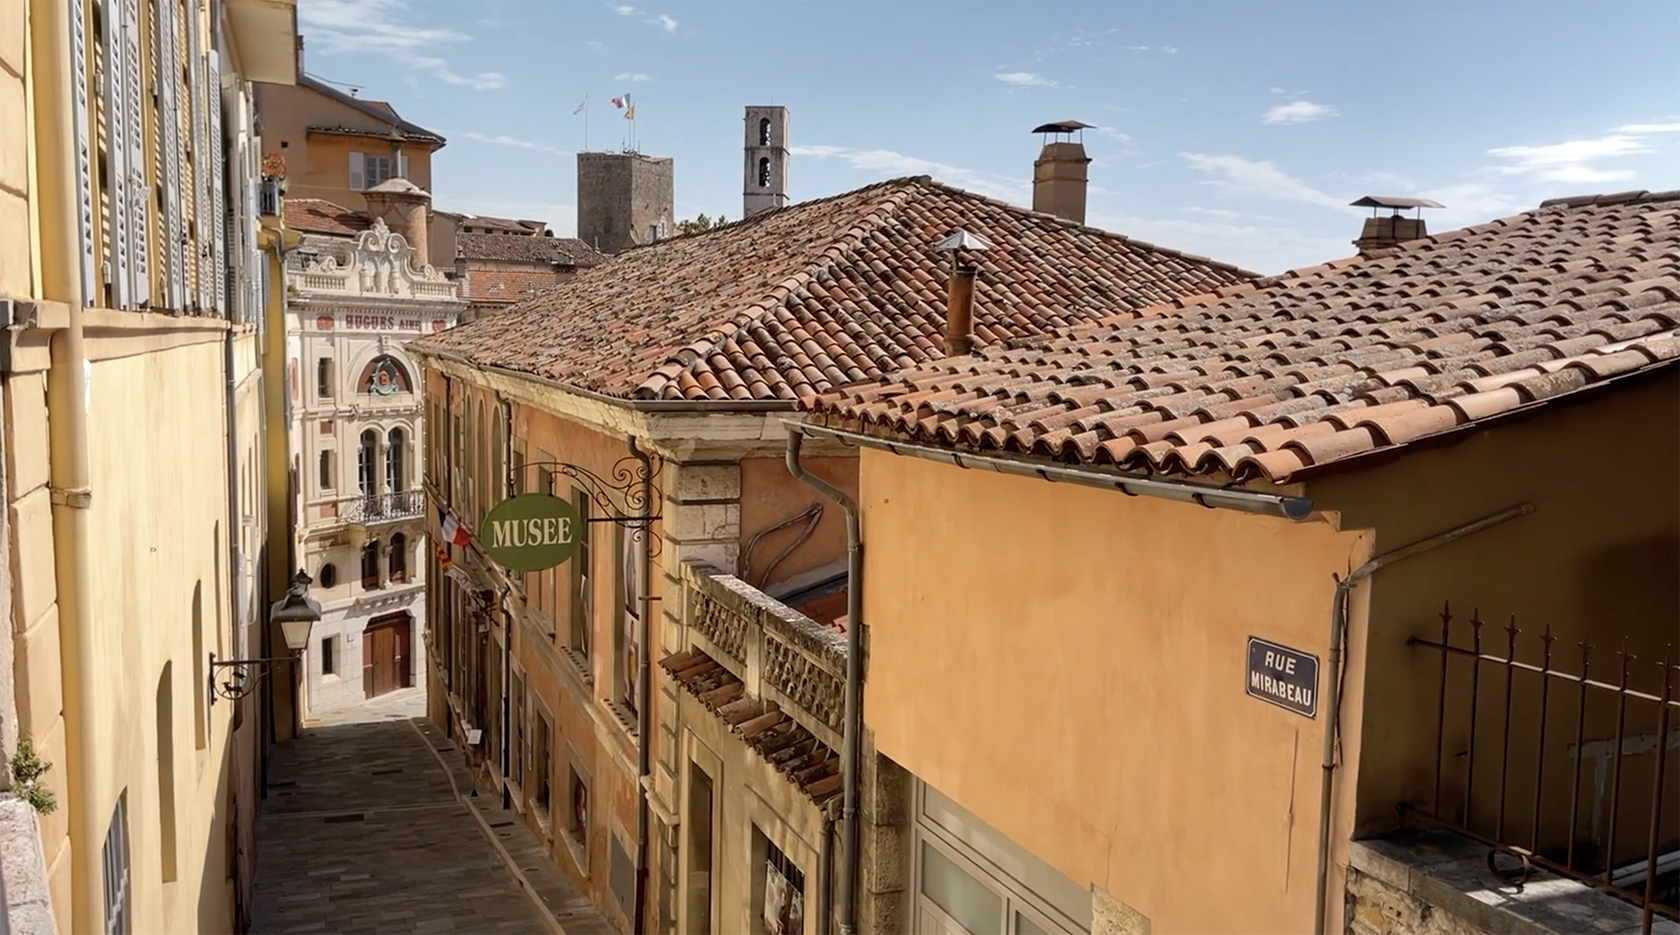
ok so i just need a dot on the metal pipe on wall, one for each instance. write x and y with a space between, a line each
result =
68 392
1338 629
644 726
825 873
507 618
852 736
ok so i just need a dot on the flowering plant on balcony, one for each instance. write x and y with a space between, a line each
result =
273 166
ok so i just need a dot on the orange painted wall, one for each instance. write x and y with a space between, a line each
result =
771 495
1068 663
318 164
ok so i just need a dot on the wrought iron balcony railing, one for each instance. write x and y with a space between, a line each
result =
385 507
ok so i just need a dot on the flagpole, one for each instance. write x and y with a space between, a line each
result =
586 123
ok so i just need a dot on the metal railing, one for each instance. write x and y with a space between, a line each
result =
384 507
1603 710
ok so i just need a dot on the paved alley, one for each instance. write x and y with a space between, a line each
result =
363 831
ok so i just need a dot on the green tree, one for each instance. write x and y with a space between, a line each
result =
701 223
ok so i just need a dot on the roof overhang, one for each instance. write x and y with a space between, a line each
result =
263 36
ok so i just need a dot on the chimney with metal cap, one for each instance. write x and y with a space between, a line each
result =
959 292
1059 175
1381 233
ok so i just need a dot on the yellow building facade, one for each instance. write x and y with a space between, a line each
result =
130 385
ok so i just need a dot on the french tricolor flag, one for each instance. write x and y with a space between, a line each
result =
453 533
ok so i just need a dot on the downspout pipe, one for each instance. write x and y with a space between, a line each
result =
853 727
507 624
644 690
1338 634
825 873
67 406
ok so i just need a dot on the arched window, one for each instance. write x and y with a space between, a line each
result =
764 172
367 456
764 131
397 562
370 564
396 461
384 376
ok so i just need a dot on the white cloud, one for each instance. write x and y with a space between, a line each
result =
632 76
1216 213
1572 161
1025 79
595 45
1139 48
1112 134
1169 50
513 141
1248 178
653 19
378 26
892 164
1644 128
1272 248
1298 112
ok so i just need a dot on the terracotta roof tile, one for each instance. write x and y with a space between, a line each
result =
824 293
794 751
1323 364
315 216
524 248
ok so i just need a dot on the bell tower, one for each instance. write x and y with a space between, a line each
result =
764 176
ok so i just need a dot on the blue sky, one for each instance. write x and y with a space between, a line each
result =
1237 131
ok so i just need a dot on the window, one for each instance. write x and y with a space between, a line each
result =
329 665
370 564
764 172
540 760
779 889
516 701
396 461
367 171
323 378
327 482
366 457
328 576
114 856
577 824
764 131
628 614
166 772
397 561
583 598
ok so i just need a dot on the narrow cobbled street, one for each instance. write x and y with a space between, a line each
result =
364 831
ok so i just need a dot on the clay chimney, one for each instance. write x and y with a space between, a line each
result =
406 208
959 292
300 56
1059 175
1383 232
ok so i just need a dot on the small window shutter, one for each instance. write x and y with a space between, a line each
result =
402 164
139 200
115 97
358 174
200 160
171 157
84 153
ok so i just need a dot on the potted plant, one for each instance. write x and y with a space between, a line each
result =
273 186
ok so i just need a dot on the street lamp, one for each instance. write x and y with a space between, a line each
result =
296 613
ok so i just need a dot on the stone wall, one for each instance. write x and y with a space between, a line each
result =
1438 883
620 196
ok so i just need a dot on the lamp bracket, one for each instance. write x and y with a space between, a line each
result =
241 675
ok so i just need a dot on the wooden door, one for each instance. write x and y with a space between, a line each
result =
382 648
403 633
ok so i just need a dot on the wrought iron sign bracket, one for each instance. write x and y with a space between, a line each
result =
622 496
242 675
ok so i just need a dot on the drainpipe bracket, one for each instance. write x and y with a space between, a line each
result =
77 498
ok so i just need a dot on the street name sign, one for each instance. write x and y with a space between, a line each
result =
1282 676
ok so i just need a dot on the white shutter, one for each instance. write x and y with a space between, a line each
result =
167 56
218 185
84 155
115 94
139 192
358 172
200 159
402 164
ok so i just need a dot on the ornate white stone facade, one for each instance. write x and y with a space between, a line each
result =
355 435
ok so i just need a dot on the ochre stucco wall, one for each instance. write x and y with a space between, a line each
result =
318 164
771 495
1596 561
1068 664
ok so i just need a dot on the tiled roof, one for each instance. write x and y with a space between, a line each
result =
501 225
794 751
1266 379
379 110
507 285
524 248
315 216
791 303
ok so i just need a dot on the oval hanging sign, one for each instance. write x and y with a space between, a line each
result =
531 532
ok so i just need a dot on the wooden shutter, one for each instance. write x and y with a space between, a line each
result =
218 184
358 172
167 56
84 147
113 96
134 130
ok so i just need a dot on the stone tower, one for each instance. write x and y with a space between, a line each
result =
623 199
764 175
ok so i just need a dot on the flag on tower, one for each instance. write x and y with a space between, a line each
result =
630 112
621 102
580 107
